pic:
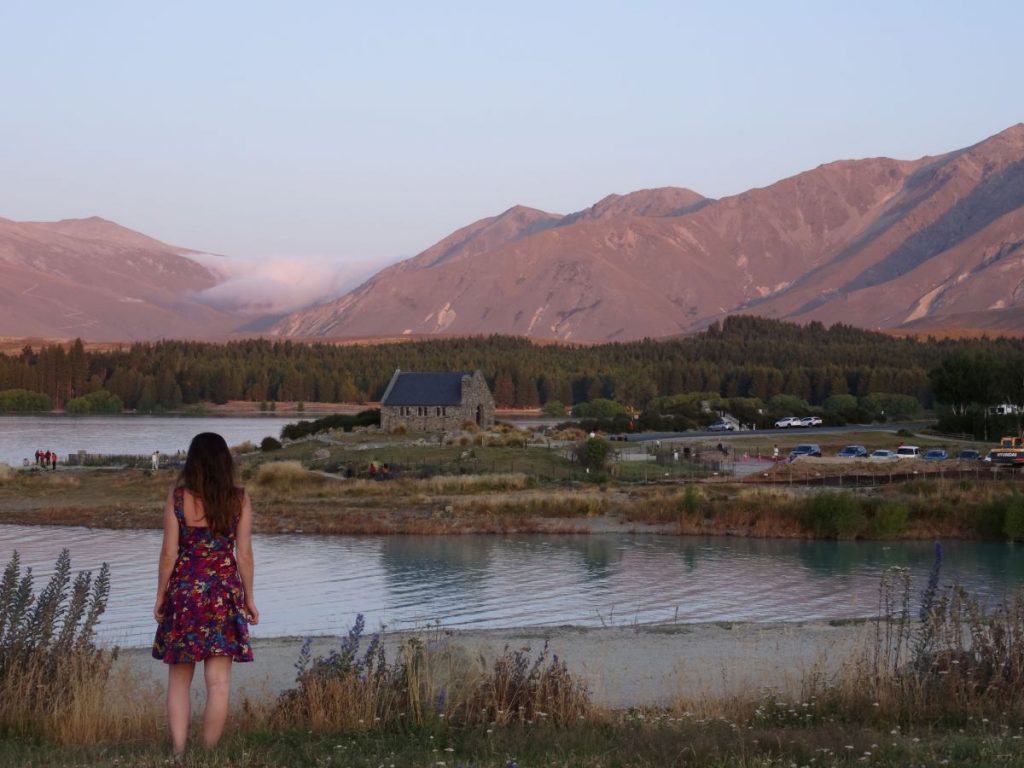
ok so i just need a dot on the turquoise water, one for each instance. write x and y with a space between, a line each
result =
317 584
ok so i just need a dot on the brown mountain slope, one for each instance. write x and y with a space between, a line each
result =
874 242
95 279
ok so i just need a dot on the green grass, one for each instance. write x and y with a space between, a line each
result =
641 740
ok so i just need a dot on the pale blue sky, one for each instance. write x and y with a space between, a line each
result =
367 131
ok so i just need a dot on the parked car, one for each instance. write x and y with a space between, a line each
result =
805 449
935 454
969 454
722 426
882 454
788 421
853 452
810 421
908 452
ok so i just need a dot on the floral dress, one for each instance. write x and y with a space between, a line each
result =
204 602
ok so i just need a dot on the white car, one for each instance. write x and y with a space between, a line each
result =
788 421
908 452
810 421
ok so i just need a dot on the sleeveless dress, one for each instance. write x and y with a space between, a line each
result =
204 602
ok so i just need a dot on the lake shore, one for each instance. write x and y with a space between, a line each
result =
641 666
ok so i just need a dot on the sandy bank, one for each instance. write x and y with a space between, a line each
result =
625 666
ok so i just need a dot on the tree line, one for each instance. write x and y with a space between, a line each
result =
740 357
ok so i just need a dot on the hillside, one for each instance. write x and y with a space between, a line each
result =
877 243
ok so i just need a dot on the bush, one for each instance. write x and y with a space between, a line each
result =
834 515
990 520
23 401
692 500
600 408
47 656
269 444
593 453
554 408
100 401
353 688
890 519
1013 518
343 421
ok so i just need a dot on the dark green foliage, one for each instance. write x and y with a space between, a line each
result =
100 401
1013 518
744 357
601 408
834 515
23 401
334 421
889 519
593 453
270 444
554 408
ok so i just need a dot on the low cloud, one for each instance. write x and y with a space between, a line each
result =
279 285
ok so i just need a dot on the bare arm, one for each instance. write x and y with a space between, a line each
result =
243 544
168 554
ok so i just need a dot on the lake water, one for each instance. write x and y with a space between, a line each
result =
317 584
21 436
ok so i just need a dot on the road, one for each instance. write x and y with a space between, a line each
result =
790 432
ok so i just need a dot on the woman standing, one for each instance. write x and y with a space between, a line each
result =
204 599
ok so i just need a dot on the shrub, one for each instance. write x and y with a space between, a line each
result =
359 689
1013 518
834 515
100 401
691 501
23 401
600 408
990 521
48 659
343 421
269 444
593 453
247 447
554 408
890 519
286 475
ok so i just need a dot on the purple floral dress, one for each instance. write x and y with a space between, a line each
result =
203 606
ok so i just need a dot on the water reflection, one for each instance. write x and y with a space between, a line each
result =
316 585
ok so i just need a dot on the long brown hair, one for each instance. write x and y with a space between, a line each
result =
209 473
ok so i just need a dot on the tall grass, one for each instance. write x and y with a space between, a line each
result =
355 688
54 680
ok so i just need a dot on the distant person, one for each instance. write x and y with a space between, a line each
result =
39 458
155 458
53 461
204 598
775 452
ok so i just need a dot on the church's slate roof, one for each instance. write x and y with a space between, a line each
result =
424 389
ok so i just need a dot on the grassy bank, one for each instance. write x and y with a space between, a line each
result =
289 497
938 682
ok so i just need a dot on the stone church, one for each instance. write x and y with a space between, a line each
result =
436 402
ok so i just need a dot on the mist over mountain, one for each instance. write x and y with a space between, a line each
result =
934 244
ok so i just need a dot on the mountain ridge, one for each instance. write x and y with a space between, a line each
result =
864 241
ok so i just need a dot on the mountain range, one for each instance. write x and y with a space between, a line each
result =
930 244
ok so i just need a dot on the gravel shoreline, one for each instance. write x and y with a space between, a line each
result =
651 665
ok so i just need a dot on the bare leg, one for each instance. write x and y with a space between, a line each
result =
179 704
217 671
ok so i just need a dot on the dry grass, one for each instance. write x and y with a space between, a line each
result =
360 689
287 476
580 504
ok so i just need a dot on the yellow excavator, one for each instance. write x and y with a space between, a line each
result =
1010 452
